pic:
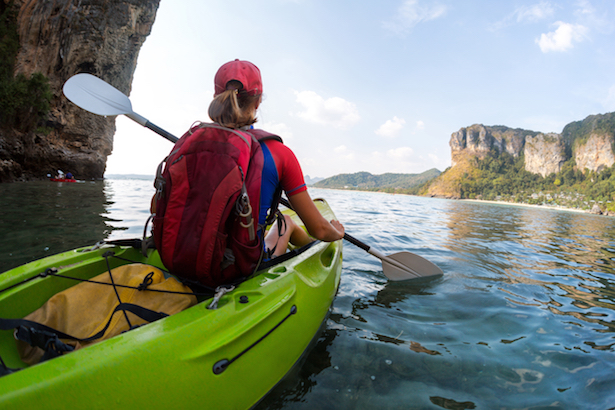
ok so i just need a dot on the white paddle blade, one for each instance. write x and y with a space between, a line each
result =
418 266
398 273
96 96
405 265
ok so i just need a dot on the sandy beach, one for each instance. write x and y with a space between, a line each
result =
556 208
550 207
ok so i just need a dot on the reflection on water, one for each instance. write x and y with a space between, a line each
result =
558 261
524 316
43 218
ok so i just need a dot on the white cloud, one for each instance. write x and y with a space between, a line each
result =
562 38
438 162
420 125
600 20
584 7
526 14
391 128
533 13
343 154
401 159
335 111
411 13
401 153
277 128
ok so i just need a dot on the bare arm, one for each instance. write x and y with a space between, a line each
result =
315 223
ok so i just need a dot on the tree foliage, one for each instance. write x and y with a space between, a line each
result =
503 176
24 102
400 183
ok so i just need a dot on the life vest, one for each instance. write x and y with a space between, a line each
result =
207 204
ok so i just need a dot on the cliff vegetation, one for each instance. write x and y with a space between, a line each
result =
43 44
574 169
391 183
24 102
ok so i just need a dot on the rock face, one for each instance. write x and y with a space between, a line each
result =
479 140
544 154
60 38
595 154
590 142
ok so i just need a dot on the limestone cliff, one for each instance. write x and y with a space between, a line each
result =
595 154
60 38
544 154
590 143
479 140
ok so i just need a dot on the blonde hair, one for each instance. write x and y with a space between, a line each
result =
234 108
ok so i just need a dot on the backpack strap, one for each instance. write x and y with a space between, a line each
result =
262 135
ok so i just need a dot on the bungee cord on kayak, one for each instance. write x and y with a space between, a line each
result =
241 319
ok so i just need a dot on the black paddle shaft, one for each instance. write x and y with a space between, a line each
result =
349 238
357 242
161 132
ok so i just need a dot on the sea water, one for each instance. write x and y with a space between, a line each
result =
523 318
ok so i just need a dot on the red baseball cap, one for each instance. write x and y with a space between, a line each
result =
243 71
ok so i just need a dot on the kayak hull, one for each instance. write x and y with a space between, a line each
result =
228 357
62 180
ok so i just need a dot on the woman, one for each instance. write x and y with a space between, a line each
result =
237 96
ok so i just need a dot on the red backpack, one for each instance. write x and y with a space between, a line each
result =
207 204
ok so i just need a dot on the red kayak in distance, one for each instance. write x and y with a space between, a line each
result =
62 180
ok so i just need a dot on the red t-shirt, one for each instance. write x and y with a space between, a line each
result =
280 169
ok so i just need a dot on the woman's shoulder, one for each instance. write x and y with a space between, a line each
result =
263 135
278 148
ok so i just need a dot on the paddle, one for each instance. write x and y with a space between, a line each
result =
401 265
398 266
100 98
96 96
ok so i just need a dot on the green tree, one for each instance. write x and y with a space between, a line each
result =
24 102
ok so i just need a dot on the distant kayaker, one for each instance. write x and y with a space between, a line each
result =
69 175
237 96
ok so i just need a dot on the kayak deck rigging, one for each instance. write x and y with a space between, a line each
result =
259 330
50 338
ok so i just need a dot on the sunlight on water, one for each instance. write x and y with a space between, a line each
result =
130 208
524 316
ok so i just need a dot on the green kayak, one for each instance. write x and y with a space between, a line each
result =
224 358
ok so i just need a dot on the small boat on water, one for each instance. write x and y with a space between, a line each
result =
62 180
226 357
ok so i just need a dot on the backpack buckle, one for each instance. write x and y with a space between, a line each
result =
244 209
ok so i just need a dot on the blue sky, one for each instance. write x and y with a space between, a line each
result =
377 86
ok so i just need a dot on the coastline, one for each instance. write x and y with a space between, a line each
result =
550 207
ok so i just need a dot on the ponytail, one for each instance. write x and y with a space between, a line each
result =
234 109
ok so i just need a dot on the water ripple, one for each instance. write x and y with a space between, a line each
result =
524 316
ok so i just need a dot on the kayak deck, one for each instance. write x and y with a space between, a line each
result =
228 357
